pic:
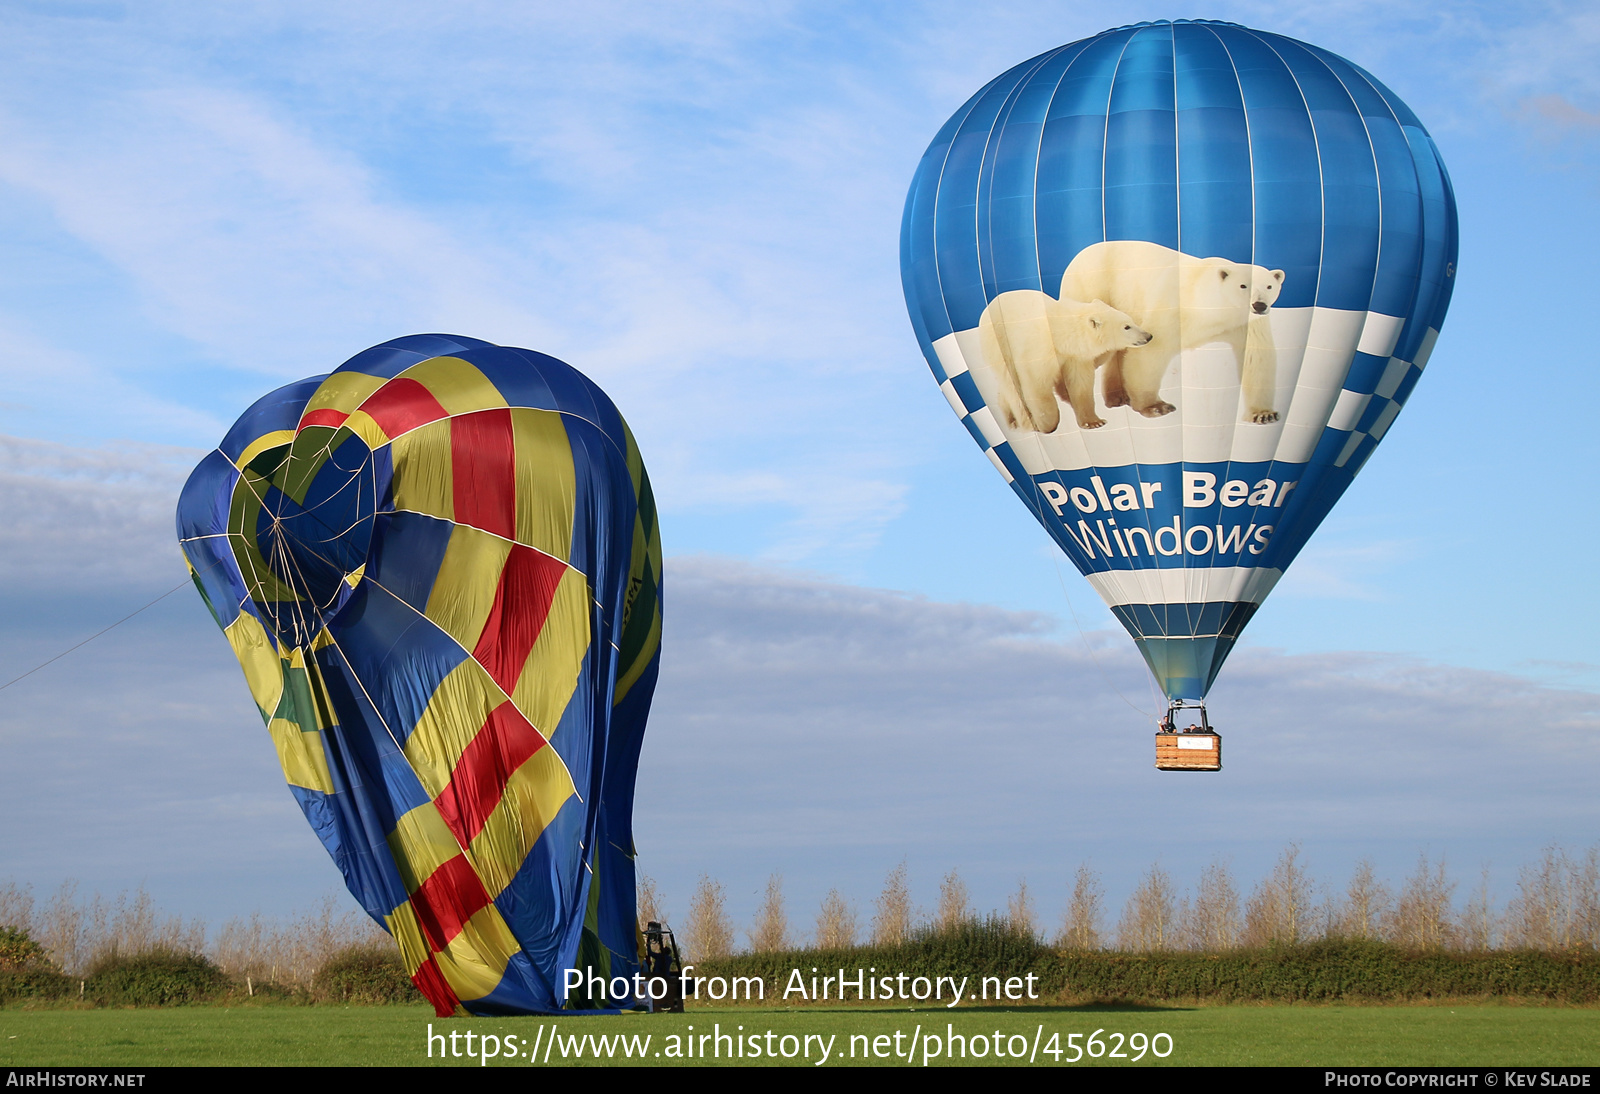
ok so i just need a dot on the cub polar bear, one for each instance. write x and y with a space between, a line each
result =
1039 348
1184 302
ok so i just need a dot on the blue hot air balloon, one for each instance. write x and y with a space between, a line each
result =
1177 280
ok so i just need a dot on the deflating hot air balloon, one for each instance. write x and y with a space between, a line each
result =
440 570
1177 280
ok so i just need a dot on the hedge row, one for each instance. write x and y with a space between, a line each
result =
175 978
1324 972
1318 972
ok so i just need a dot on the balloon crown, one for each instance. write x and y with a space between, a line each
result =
1176 22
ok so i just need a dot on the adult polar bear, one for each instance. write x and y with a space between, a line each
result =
1039 348
1184 302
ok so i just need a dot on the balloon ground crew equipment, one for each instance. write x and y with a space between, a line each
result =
1194 748
662 961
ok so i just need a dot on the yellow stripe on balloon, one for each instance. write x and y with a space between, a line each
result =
421 843
474 961
423 477
300 755
457 385
550 673
546 484
343 391
302 712
263 671
455 713
464 588
403 925
274 439
533 795
361 424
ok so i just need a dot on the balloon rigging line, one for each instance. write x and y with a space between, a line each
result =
1092 655
470 656
280 550
334 642
97 634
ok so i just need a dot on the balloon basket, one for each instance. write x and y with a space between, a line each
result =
1195 748
661 961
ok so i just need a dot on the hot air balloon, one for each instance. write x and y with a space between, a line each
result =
440 570
1177 280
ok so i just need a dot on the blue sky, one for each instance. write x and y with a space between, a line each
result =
698 204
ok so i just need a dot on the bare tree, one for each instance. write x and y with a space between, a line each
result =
1476 930
892 923
1557 903
1212 922
1080 928
771 931
1366 905
1149 918
651 909
291 953
1542 914
1422 917
953 910
16 906
1020 911
1280 909
836 923
1586 900
708 931
64 931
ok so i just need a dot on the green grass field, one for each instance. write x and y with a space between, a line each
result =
1442 1034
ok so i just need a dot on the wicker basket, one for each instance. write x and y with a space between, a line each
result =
1188 752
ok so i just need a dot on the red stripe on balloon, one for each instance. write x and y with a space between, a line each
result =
452 895
478 782
522 601
484 470
401 405
431 983
322 417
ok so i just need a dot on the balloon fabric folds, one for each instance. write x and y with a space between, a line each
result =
1177 280
440 570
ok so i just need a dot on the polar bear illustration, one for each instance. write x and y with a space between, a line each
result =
1038 348
1184 302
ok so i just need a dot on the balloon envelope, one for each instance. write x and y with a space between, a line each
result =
1177 280
440 570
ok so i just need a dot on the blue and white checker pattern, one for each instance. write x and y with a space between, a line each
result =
955 381
1364 416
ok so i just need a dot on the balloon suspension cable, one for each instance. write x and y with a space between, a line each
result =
1168 723
1086 645
97 634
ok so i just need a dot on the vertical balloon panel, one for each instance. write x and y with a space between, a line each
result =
1177 280
440 570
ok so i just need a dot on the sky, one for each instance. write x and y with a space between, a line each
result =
872 653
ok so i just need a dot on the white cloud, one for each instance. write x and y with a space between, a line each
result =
80 519
243 234
687 223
